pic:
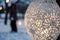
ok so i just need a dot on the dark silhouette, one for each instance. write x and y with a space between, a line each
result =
6 14
58 37
58 2
13 17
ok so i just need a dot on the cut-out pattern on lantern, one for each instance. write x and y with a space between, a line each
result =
42 20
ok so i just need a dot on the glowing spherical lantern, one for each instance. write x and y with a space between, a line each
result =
42 20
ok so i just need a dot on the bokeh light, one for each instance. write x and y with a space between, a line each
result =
0 8
7 1
19 23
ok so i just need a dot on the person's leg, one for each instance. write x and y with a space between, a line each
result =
11 24
14 26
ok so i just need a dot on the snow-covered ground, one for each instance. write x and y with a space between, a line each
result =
5 33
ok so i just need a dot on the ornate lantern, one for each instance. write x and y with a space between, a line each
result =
42 20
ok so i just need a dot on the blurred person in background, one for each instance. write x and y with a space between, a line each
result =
13 18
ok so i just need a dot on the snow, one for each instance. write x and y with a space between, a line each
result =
6 34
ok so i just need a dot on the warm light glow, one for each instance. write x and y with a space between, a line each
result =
0 8
7 1
42 19
19 23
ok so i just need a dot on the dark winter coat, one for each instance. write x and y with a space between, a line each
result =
13 12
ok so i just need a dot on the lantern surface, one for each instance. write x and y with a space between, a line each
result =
42 20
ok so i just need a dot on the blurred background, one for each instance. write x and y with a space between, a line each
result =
21 6
5 33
